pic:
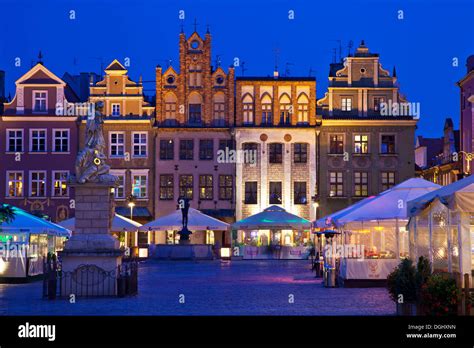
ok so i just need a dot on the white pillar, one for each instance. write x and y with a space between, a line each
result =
464 245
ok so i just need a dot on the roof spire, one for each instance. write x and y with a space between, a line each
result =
195 25
207 29
40 58
394 72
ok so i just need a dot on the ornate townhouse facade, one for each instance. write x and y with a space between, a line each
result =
194 116
130 137
366 135
276 120
38 146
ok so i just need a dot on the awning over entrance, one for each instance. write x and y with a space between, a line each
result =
273 218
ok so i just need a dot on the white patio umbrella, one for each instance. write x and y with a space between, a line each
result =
197 221
119 224
26 222
388 205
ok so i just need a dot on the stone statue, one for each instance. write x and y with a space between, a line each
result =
90 161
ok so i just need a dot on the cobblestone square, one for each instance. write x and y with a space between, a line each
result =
268 287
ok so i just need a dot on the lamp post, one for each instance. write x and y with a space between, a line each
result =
131 204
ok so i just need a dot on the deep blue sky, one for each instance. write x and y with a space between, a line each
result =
422 45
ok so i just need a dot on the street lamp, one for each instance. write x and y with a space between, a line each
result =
131 204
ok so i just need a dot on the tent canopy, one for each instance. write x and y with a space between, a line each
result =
197 221
119 224
457 196
388 205
26 222
273 218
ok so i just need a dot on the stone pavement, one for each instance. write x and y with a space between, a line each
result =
264 287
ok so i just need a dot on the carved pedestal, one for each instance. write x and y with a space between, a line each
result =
91 257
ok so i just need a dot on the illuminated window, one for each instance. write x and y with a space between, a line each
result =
219 108
15 184
206 187
286 109
37 184
346 104
248 109
361 143
60 188
140 185
267 113
195 109
388 180
361 184
303 109
166 187
226 187
186 186
336 184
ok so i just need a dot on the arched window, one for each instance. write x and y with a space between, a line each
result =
303 108
195 108
248 109
286 109
267 114
219 108
170 106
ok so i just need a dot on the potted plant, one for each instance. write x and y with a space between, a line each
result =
423 273
440 295
402 287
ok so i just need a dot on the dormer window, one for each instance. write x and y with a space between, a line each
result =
40 100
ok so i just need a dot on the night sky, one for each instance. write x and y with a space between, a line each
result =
422 45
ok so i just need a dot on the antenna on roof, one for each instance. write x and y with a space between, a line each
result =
349 47
242 68
101 60
310 71
334 54
276 51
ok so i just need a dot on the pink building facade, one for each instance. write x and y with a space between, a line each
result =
38 147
